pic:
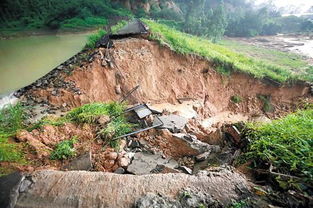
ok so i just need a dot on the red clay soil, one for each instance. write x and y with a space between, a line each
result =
165 76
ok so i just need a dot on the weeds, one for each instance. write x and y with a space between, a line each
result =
94 38
224 59
236 99
64 149
239 204
286 143
11 120
267 106
89 113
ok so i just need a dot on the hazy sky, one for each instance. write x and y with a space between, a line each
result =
298 6
280 3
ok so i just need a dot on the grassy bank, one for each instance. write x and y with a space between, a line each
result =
285 144
225 60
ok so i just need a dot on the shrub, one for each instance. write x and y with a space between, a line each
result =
64 150
267 106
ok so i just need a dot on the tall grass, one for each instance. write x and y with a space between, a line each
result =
286 143
225 60
11 120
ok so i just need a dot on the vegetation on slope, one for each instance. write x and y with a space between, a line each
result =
225 60
11 120
285 144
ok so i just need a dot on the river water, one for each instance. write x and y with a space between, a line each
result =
26 59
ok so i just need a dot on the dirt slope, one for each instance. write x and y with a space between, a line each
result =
165 76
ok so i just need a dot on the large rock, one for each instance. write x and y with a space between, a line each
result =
98 189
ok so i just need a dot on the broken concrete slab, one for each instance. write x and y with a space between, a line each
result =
174 123
99 189
196 144
143 163
83 162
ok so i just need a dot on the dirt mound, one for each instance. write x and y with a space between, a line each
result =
167 77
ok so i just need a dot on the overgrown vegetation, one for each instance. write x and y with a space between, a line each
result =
64 150
285 144
11 120
90 113
224 59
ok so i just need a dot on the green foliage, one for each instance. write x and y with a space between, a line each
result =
239 204
64 150
236 99
12 118
58 13
9 152
94 38
286 143
89 113
224 59
117 127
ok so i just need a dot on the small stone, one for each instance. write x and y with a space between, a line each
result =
124 162
202 156
113 155
118 89
119 171
54 93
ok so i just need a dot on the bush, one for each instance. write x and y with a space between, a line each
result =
236 99
64 150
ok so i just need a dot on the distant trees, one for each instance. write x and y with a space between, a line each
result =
53 13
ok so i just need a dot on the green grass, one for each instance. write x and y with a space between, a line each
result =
93 38
64 150
286 143
267 105
11 120
90 113
224 59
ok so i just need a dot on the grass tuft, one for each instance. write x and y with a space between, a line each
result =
64 150
236 99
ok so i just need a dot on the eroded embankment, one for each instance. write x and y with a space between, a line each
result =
171 83
166 77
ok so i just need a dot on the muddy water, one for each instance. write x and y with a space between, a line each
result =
24 60
303 46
